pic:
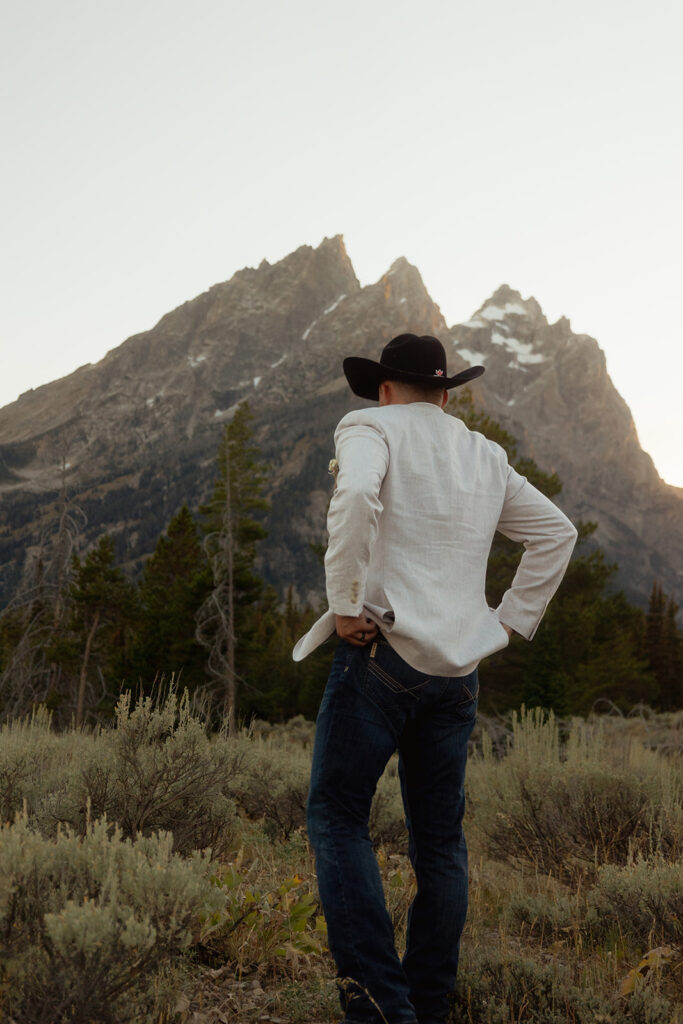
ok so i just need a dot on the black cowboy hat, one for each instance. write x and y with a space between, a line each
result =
409 358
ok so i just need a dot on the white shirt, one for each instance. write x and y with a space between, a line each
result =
411 522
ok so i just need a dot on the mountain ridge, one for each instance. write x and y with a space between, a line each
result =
136 433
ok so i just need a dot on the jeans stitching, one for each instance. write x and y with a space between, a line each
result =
469 697
393 684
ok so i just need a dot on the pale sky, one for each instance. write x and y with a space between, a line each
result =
151 148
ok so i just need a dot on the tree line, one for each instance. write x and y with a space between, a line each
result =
201 614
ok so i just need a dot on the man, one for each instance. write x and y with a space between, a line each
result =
418 498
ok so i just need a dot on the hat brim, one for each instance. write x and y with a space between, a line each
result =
365 376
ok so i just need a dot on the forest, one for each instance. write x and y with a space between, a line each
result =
80 631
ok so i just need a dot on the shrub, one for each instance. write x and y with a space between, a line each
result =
33 761
569 808
88 921
273 785
158 770
544 916
155 769
497 990
643 901
297 730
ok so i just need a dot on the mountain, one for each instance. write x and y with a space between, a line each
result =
136 434
550 388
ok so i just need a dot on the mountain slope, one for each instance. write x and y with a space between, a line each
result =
550 388
137 432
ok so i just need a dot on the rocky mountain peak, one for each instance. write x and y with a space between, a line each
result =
511 337
139 430
506 303
403 286
329 259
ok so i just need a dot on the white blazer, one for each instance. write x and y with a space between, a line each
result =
417 501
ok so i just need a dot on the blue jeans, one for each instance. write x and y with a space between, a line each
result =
375 703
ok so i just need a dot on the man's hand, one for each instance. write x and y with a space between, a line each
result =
508 629
357 630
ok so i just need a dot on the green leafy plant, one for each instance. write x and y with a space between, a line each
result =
264 927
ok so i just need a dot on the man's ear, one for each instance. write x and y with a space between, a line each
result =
444 399
384 393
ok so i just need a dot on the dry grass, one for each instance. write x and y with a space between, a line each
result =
550 936
539 945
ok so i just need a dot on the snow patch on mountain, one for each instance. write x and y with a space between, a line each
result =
496 313
492 313
334 304
221 414
522 349
515 307
469 356
325 312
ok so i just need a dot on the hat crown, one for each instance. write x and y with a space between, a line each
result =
412 354
407 358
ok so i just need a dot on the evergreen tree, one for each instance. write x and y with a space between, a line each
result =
280 688
175 582
655 629
545 682
34 629
664 648
232 533
103 613
26 633
588 646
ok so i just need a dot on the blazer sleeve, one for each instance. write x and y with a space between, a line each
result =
353 516
548 538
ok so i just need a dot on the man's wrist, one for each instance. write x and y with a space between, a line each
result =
357 630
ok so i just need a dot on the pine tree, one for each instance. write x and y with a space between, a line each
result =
655 628
231 536
104 605
671 683
664 648
175 582
34 628
546 684
279 688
